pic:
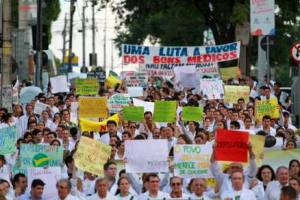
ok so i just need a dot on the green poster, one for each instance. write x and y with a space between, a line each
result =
87 86
165 111
133 113
190 113
8 140
32 155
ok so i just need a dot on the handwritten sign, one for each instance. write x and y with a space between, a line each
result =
91 155
212 88
136 79
165 111
8 140
117 101
232 146
190 113
192 161
234 92
92 107
133 113
32 155
87 86
143 156
39 107
266 107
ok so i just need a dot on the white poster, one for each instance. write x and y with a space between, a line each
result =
135 91
145 156
49 176
212 88
39 108
148 106
262 17
59 84
190 80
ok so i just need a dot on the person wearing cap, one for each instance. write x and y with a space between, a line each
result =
224 178
36 193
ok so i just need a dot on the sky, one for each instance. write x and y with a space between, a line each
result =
112 54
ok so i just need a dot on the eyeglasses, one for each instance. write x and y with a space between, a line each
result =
176 184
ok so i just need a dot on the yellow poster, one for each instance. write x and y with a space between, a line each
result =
266 107
92 107
234 92
229 72
258 143
112 81
89 125
91 155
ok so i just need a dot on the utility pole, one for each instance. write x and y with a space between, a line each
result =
104 40
6 52
83 35
64 41
39 44
72 10
93 57
7 46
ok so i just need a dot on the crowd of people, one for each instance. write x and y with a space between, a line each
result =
55 127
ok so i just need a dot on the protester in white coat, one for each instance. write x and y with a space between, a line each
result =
102 191
238 192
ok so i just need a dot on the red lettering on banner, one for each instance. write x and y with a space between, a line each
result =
166 60
127 59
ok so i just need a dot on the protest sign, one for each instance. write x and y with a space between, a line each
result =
117 101
137 79
148 106
192 161
87 86
8 140
262 17
39 107
92 107
231 146
49 176
72 75
135 91
276 158
143 156
190 113
178 71
32 155
208 69
59 84
89 125
165 111
91 155
234 92
189 80
266 107
229 72
137 54
112 81
258 143
133 113
27 94
212 88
